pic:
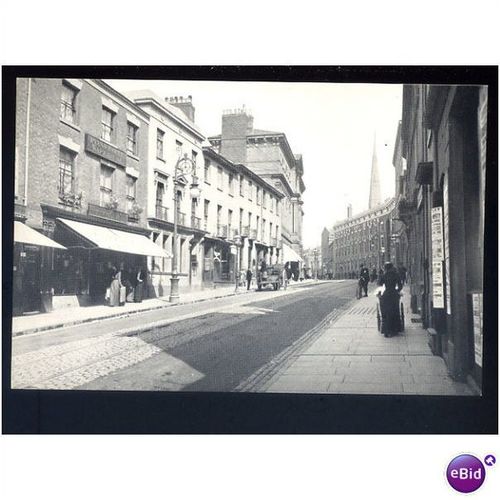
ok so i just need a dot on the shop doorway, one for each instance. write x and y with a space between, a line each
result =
26 279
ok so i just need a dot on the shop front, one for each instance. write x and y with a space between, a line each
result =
218 261
82 274
31 291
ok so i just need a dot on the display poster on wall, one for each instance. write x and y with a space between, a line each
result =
437 258
446 245
477 323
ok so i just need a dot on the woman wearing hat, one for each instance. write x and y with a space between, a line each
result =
389 301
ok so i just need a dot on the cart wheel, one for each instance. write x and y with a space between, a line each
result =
402 318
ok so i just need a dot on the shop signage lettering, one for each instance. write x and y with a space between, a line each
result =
437 258
104 150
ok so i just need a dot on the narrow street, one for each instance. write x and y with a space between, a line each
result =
211 346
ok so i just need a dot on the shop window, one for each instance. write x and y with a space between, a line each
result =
68 103
160 135
106 186
107 124
66 172
132 138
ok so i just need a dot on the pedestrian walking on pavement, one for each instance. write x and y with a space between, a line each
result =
373 275
284 275
364 277
389 301
249 278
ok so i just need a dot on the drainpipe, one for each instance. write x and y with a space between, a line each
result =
26 152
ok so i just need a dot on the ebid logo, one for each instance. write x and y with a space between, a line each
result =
466 473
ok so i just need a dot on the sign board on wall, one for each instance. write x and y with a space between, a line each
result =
477 323
437 258
446 230
104 150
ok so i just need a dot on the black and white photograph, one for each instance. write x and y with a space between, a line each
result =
189 235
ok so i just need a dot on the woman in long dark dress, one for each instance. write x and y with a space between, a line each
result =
389 301
114 289
139 287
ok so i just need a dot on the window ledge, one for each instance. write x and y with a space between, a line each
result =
232 195
219 189
133 156
109 142
69 124
207 182
161 159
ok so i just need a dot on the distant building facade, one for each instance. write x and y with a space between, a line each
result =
367 238
362 239
269 155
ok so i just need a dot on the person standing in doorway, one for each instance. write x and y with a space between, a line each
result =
139 287
115 286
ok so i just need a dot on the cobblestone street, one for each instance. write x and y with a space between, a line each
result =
73 364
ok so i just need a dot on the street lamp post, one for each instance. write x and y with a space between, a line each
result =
237 243
184 165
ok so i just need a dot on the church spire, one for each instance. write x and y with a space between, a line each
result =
375 196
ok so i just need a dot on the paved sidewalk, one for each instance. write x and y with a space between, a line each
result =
33 323
349 355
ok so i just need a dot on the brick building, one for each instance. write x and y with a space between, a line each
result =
442 203
270 156
362 239
80 172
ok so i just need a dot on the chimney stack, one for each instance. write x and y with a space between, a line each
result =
349 211
236 125
185 104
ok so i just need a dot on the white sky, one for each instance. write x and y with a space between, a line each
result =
332 125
